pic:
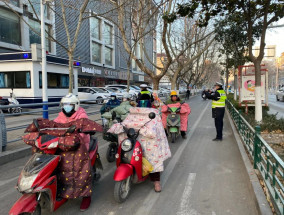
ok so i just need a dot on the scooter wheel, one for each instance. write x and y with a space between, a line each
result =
36 212
173 135
111 152
122 190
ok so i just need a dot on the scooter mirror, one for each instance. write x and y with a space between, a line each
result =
152 115
36 124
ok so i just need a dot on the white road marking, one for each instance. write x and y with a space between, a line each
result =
185 208
8 181
152 197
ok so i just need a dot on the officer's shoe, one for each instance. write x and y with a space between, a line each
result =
217 139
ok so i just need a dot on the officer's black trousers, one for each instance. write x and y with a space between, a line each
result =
219 116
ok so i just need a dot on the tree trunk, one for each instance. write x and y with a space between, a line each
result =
156 83
235 86
258 105
174 81
71 72
128 74
227 80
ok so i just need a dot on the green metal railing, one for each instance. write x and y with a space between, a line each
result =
264 158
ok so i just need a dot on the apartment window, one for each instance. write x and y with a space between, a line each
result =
9 27
95 28
108 34
108 56
55 80
35 34
96 52
102 42
34 6
19 79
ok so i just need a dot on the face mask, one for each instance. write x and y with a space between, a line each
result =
68 108
112 98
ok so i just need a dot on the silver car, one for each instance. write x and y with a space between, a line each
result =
280 94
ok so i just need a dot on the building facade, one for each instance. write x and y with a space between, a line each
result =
100 50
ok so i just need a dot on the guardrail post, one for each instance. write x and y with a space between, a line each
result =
256 147
239 120
3 132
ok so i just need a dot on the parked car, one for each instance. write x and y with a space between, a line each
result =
124 87
110 91
89 93
280 94
138 89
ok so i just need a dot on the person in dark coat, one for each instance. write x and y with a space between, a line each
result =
145 98
112 103
218 98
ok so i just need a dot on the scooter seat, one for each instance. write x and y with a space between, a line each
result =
93 144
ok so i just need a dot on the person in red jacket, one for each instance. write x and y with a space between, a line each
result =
71 111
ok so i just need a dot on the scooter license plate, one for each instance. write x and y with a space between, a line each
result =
173 115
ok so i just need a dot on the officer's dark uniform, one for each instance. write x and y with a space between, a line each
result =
145 95
218 110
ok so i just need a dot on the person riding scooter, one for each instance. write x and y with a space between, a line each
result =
112 103
72 111
176 102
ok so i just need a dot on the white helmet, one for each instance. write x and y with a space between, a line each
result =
70 99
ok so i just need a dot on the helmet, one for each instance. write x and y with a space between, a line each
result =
143 86
70 99
126 96
218 84
174 93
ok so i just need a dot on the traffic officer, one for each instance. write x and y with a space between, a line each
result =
145 98
218 108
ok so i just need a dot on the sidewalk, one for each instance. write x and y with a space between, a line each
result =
211 176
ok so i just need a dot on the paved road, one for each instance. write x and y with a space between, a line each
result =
275 107
202 177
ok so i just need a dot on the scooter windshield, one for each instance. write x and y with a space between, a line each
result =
37 163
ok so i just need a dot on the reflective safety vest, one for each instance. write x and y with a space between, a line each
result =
145 92
221 101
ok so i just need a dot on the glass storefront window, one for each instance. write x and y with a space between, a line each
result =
20 79
108 56
96 52
35 34
9 27
95 28
108 34
55 80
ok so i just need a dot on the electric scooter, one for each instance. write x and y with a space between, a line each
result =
173 122
38 179
13 101
129 163
112 138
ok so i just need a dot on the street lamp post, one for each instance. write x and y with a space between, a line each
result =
43 62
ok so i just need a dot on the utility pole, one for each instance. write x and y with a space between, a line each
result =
43 62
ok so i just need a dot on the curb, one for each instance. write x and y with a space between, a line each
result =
254 186
8 156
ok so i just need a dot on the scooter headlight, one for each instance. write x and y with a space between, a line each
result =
126 145
25 182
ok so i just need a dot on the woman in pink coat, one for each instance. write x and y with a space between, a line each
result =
185 110
71 111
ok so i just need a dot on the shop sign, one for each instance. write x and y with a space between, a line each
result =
111 74
91 70
123 75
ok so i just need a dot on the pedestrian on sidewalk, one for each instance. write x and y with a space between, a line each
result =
218 98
